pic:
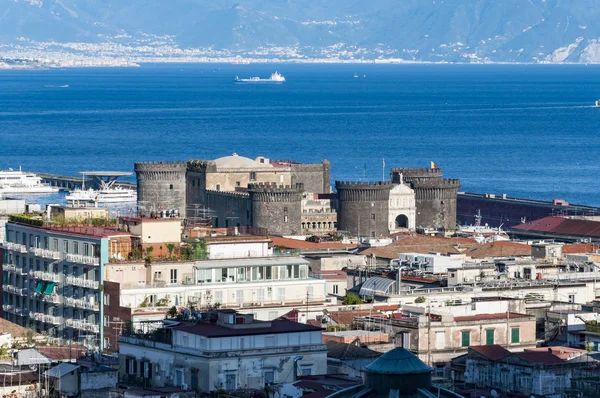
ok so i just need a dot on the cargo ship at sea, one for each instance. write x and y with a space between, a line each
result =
275 78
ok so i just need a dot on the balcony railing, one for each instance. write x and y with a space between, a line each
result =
53 298
20 270
16 247
46 276
82 325
13 309
81 303
16 290
72 280
9 267
50 254
54 320
81 259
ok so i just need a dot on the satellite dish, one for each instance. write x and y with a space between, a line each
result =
33 367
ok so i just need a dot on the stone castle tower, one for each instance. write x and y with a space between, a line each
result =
161 186
435 196
277 208
363 207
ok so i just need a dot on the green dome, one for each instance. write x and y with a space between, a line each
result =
398 361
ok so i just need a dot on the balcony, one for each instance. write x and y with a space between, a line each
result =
81 303
72 280
81 259
54 320
16 247
82 325
46 276
9 267
49 254
20 270
16 290
53 298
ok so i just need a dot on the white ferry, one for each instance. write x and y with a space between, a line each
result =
106 195
597 104
20 182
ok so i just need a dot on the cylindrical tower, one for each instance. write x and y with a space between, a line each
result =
277 208
436 204
410 175
161 186
363 207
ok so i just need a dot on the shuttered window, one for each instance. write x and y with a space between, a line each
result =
489 337
515 335
465 338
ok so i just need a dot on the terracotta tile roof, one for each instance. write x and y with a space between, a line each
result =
490 317
421 244
577 248
62 353
500 249
559 351
493 352
386 307
349 351
543 358
562 226
345 317
16 331
302 244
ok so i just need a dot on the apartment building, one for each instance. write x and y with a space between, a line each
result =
222 350
53 277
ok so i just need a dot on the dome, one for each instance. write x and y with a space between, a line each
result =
398 361
239 162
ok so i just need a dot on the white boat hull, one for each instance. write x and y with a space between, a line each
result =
42 189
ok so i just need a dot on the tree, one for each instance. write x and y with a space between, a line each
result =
172 313
420 300
170 248
351 298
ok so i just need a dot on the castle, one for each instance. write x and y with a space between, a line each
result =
283 197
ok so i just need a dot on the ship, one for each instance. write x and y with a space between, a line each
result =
275 78
20 182
597 104
108 194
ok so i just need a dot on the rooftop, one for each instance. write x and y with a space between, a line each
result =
349 351
491 317
398 361
421 244
289 243
234 161
536 356
500 249
277 326
561 226
250 262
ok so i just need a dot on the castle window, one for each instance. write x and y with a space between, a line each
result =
252 176
218 187
285 210
193 183
285 218
171 186
372 216
237 184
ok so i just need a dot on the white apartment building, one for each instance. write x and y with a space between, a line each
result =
224 350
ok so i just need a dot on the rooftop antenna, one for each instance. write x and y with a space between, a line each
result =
382 169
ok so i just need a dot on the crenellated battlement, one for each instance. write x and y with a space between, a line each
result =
383 185
158 166
229 194
421 171
201 166
442 184
274 188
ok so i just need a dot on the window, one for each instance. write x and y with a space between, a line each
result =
239 295
285 218
86 249
55 244
75 247
230 381
218 187
515 335
237 184
372 216
440 340
106 323
465 338
305 370
335 289
281 295
252 176
65 246
147 370
106 299
269 376
571 298
46 244
106 342
179 377
489 336
170 186
131 366
173 276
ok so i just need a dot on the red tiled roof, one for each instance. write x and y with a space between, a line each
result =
421 244
544 358
559 351
302 244
492 352
563 226
490 317
577 248
386 307
62 353
500 249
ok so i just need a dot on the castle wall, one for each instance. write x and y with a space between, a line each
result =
314 177
436 204
161 186
229 209
278 209
411 175
363 207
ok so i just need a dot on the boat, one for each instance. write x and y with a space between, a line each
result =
482 233
356 75
107 194
597 104
20 182
275 78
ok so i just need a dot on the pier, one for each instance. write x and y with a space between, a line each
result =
69 183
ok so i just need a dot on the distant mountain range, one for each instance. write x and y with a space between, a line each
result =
416 30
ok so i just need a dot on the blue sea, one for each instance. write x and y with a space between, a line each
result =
524 130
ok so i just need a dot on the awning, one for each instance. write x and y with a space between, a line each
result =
49 288
39 286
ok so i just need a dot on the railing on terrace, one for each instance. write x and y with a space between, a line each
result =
72 280
82 325
55 320
53 298
81 259
9 267
16 290
49 254
417 292
590 327
46 276
81 303
17 247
